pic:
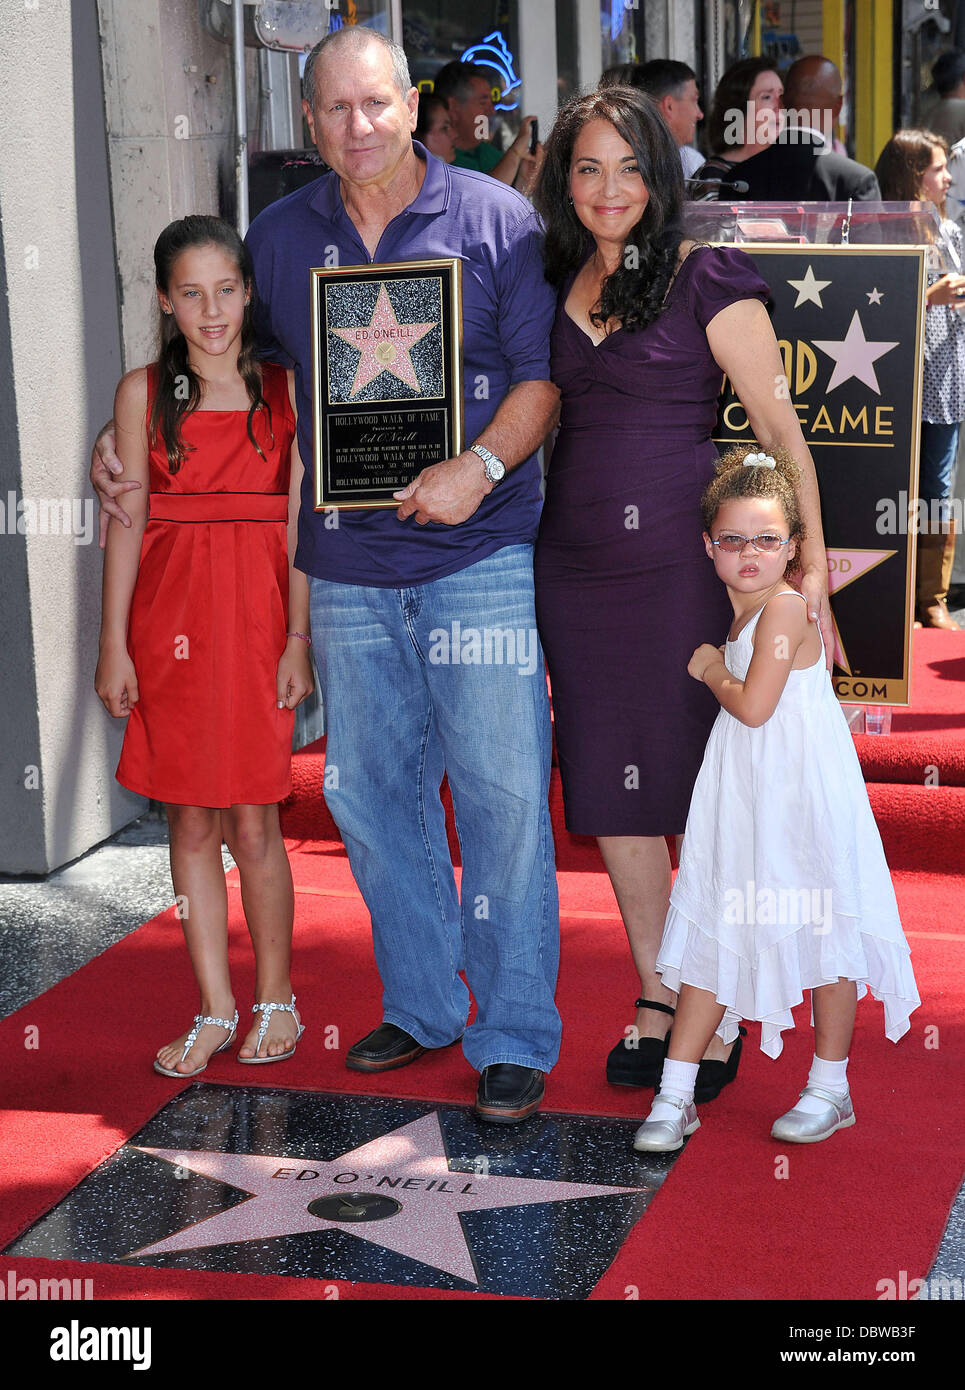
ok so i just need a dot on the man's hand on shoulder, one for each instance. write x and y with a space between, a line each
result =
104 463
447 492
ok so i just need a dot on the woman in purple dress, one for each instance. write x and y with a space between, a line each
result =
647 323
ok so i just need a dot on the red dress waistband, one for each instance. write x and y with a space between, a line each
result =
218 506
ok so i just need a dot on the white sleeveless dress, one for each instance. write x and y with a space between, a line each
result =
783 883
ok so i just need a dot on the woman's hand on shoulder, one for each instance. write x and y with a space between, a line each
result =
814 587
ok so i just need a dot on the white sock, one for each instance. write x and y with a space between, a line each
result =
677 1079
830 1076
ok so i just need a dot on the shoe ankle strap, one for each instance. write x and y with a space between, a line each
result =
668 1099
652 1004
822 1093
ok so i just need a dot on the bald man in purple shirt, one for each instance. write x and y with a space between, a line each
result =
423 618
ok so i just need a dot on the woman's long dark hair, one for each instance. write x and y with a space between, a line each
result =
903 163
635 292
172 402
733 95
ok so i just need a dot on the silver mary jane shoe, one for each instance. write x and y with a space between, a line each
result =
795 1128
666 1136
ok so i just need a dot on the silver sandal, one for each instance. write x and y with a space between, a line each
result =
199 1021
266 1011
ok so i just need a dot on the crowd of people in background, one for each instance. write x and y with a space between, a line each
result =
771 136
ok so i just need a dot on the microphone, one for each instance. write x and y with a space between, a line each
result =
735 186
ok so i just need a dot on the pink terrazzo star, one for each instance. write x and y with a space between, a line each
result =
408 1164
384 345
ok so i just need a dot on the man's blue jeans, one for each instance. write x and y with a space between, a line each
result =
448 677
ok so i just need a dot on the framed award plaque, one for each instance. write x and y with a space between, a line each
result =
386 377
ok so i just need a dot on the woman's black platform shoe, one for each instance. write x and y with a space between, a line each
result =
639 1062
712 1076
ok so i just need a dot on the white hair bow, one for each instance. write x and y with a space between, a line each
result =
759 461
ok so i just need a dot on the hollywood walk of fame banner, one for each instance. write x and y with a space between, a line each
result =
849 321
387 377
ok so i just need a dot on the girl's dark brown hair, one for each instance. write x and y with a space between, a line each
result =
171 401
733 94
634 293
904 162
733 479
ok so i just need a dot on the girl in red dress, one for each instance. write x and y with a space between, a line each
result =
204 632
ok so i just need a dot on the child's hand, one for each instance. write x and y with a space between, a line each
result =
294 681
704 656
115 681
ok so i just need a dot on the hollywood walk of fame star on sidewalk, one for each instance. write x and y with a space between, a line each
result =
408 1164
384 344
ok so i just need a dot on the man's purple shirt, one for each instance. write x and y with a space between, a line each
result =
507 312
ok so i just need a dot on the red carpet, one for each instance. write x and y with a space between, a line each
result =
730 1221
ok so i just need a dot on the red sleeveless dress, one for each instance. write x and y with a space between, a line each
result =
209 614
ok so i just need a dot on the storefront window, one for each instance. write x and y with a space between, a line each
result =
622 32
436 32
567 56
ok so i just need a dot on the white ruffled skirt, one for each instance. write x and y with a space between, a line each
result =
769 986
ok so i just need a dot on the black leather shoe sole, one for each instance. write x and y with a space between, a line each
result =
357 1063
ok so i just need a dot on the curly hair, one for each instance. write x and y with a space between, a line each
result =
634 293
734 479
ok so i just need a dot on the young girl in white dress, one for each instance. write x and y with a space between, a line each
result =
783 884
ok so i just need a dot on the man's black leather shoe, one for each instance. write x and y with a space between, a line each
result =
385 1047
507 1094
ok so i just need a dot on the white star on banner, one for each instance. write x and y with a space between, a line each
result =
809 289
854 355
874 296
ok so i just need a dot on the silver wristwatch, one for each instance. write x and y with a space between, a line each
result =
495 469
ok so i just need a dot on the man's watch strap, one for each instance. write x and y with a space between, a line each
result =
495 469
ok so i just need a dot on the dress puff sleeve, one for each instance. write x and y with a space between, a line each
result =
722 275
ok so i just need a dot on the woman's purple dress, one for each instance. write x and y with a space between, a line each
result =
624 588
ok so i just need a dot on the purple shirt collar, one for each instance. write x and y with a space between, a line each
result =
432 197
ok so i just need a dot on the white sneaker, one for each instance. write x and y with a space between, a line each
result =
666 1136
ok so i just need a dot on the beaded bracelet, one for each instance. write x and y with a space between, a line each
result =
302 635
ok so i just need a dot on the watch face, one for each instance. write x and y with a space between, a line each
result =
495 470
